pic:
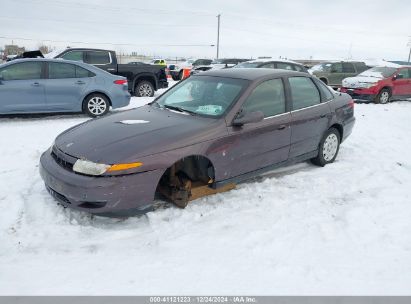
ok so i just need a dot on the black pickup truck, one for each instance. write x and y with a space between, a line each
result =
143 79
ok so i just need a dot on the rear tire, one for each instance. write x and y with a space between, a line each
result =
328 148
324 80
144 89
180 75
96 105
383 97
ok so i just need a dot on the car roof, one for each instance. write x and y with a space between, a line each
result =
250 74
264 60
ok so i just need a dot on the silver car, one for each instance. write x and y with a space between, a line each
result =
54 85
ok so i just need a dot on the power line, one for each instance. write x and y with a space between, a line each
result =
109 43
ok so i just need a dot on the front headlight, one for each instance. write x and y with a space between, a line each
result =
91 168
366 85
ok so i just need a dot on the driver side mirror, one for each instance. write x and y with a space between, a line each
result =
398 76
248 117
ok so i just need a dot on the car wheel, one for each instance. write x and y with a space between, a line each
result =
144 89
96 105
175 77
180 75
383 97
328 149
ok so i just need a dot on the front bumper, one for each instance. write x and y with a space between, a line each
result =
117 196
360 94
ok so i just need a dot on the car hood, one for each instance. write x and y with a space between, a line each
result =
360 81
125 136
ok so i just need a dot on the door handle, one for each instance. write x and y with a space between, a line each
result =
323 115
80 82
35 84
282 127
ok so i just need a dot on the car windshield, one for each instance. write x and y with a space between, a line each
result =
247 65
323 67
379 72
203 95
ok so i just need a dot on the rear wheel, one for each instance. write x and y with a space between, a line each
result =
144 89
328 149
383 97
324 80
96 105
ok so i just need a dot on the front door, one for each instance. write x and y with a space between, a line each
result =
310 117
402 83
22 88
257 145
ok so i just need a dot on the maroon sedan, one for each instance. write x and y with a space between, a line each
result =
205 134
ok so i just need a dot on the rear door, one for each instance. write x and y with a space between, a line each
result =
22 88
258 145
65 86
402 83
309 116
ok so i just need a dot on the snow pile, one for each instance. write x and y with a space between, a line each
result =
341 229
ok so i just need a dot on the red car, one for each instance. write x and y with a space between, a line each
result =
379 84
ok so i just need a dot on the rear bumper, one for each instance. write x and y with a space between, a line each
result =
117 196
347 128
162 84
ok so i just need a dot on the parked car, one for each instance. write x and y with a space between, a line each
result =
380 84
332 73
218 64
272 64
176 70
143 79
51 85
208 131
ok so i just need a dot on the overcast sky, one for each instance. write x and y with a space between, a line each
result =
320 29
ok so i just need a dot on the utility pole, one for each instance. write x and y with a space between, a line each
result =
409 54
218 34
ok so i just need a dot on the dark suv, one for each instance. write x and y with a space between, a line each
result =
332 73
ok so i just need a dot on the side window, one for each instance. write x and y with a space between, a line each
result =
336 67
304 92
284 66
348 67
268 65
267 97
83 73
22 71
98 57
61 70
326 92
73 55
298 68
405 73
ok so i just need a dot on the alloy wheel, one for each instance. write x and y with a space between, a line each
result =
145 90
97 106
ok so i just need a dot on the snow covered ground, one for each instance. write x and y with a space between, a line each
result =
341 229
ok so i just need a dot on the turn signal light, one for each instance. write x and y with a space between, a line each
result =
120 81
119 167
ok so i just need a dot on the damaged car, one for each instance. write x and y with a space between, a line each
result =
380 84
203 136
